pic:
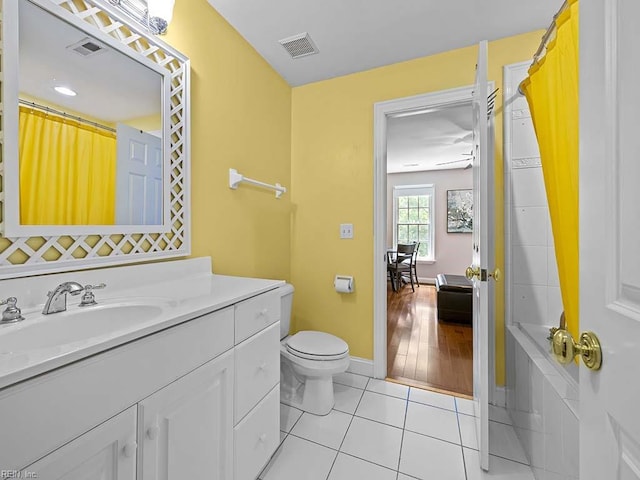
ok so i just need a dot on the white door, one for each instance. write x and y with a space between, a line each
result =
610 237
482 257
108 452
138 177
186 429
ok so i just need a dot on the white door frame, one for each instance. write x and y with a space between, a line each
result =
381 112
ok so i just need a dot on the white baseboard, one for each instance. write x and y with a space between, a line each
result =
427 280
361 366
500 397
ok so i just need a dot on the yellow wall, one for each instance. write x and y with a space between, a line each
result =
332 176
149 123
240 118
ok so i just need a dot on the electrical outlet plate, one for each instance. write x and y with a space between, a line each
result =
346 230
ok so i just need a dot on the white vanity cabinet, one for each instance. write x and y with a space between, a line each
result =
257 387
195 400
107 452
185 428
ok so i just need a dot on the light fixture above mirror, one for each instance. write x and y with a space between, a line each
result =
155 15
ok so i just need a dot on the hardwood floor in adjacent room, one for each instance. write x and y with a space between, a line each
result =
423 352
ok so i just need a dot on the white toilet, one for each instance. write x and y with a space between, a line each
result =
308 362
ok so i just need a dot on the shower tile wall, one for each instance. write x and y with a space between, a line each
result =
542 402
544 416
533 281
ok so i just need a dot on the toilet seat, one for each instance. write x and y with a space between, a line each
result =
317 346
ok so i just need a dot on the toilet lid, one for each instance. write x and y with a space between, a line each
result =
317 344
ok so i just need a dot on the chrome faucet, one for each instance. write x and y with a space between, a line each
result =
57 301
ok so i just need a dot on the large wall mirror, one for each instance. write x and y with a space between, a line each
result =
95 138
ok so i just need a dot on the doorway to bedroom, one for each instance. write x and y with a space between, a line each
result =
428 246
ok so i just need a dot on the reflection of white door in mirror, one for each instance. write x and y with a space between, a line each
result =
138 177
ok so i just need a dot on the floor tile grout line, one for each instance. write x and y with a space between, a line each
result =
464 462
345 436
436 406
387 395
296 422
368 461
350 422
340 452
379 422
507 458
407 401
434 438
404 424
346 432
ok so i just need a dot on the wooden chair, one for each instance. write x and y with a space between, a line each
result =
398 267
413 262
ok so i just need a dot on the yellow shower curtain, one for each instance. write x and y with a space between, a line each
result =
67 171
552 93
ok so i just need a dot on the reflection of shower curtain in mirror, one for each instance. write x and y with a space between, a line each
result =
67 171
552 94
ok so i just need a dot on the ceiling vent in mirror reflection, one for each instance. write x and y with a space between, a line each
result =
87 47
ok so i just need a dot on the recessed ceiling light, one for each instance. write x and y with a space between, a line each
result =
65 91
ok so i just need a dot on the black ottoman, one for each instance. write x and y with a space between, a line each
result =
454 298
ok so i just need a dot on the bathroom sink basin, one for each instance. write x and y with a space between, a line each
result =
75 325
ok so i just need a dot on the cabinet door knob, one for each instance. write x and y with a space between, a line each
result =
129 449
152 432
263 366
263 437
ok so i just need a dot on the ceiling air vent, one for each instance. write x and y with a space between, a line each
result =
87 47
299 45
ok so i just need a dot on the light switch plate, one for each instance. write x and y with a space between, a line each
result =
346 230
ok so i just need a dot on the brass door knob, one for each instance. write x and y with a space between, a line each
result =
565 348
496 275
471 273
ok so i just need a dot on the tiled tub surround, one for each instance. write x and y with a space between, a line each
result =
542 400
541 395
380 430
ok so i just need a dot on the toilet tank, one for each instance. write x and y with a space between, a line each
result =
286 301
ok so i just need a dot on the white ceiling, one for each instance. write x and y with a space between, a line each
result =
435 140
111 87
356 35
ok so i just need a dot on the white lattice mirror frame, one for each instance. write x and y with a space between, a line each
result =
37 254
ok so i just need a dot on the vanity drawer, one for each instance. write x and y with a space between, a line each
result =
257 437
257 363
255 314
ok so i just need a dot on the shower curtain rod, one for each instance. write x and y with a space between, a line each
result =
63 114
545 39
550 31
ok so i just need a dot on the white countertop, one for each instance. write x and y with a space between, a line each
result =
185 289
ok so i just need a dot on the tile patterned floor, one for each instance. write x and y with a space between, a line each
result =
380 430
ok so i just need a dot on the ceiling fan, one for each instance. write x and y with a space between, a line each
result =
467 166
470 154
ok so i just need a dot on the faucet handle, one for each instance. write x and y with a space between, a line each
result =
12 313
88 298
